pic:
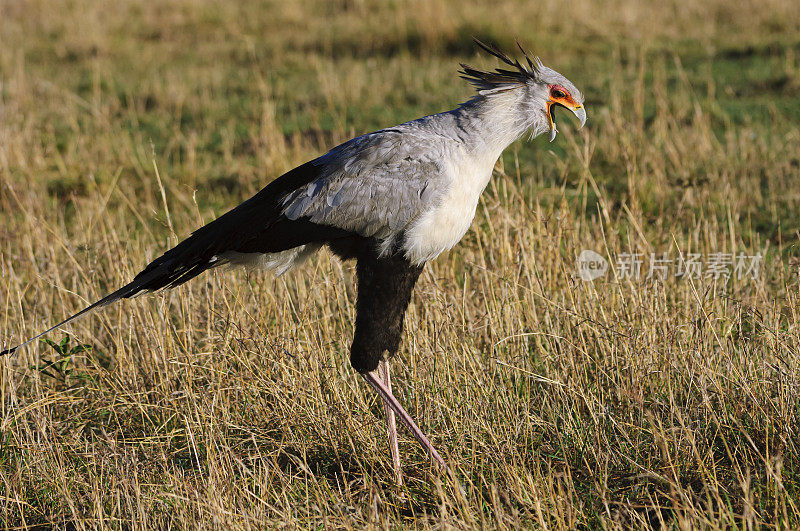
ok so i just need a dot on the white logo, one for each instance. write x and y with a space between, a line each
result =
591 265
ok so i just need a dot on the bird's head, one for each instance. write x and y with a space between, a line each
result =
539 89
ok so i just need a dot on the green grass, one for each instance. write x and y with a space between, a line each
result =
559 403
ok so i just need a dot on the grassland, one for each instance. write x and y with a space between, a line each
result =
560 403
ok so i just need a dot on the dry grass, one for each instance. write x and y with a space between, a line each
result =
560 403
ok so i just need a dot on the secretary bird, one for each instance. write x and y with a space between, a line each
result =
392 200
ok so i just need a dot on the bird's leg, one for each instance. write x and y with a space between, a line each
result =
405 418
385 285
391 424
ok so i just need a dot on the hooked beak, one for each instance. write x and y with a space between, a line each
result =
577 110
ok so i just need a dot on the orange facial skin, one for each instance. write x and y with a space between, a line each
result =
566 101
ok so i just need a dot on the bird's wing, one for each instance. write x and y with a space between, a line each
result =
373 185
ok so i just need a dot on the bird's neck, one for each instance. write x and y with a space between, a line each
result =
493 122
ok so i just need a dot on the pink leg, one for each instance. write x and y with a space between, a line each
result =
391 402
391 424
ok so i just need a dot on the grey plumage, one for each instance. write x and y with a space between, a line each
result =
387 180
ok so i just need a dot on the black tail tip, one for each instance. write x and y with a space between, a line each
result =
8 351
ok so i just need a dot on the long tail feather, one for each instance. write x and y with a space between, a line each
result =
126 291
171 269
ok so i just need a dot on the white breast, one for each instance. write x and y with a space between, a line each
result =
441 228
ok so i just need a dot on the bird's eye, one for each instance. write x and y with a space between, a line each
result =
558 94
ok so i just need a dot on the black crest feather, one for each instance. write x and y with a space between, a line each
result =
500 79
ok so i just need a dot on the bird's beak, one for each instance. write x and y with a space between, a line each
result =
577 110
580 113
